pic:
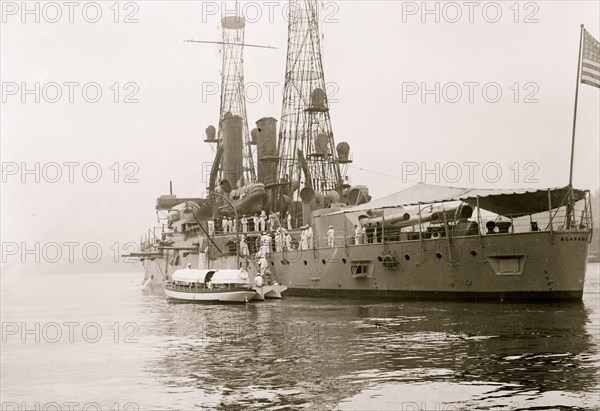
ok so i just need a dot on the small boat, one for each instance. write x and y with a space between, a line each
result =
264 291
209 285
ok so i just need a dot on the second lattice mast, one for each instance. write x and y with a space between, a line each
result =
306 146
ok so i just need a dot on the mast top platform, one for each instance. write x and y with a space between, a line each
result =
233 22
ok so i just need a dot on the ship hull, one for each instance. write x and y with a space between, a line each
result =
521 267
512 296
540 266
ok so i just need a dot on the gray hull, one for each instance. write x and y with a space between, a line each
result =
532 266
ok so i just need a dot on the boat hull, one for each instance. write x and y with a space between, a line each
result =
210 296
269 291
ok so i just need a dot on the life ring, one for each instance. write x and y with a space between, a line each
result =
243 275
258 281
435 235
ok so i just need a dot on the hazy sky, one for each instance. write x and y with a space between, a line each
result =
378 58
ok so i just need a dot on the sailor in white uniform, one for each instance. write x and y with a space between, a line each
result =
330 237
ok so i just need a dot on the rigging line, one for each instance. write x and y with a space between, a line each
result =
385 175
195 182
199 174
230 44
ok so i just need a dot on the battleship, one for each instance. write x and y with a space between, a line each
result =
281 207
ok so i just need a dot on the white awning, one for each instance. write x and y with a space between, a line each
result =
508 202
215 276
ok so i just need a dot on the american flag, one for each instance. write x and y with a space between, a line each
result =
590 65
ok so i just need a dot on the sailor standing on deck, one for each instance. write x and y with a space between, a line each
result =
264 246
272 218
378 232
224 224
244 247
309 237
289 221
262 221
255 221
288 241
357 234
330 235
229 225
263 264
278 241
234 226
262 251
304 238
369 232
244 222
211 227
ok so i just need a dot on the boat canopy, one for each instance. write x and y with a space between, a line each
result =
215 276
507 202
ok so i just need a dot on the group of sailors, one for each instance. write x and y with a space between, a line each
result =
281 239
306 238
274 236
367 235
257 223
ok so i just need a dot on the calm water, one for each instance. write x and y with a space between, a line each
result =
105 344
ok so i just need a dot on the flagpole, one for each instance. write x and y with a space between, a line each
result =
570 204
575 110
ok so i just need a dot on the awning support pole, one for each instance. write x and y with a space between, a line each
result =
447 236
420 235
479 223
550 214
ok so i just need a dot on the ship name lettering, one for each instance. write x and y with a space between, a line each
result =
573 239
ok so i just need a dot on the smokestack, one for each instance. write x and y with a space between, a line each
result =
233 149
307 195
266 152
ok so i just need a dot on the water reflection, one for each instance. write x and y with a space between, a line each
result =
322 353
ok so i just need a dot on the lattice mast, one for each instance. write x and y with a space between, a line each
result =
233 102
306 140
